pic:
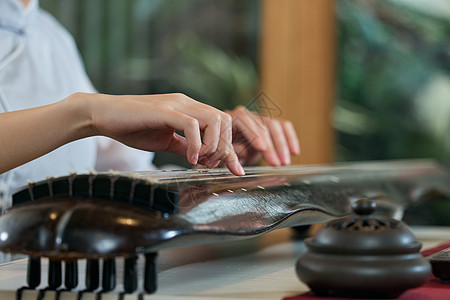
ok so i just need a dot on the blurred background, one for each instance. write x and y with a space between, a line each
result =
390 62
360 79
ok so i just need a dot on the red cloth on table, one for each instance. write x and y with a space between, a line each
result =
434 289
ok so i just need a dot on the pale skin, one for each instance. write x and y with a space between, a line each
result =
256 136
145 122
25 2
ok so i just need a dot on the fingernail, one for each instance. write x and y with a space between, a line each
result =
260 145
195 159
297 149
275 161
240 169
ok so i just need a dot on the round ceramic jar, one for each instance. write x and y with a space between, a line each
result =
363 256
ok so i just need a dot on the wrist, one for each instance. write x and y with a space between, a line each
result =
77 111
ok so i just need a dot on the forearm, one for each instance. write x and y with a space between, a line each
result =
28 134
147 122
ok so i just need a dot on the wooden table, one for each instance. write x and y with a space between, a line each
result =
258 268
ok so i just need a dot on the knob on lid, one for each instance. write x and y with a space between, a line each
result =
362 233
364 207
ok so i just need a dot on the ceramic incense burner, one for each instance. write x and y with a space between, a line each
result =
363 256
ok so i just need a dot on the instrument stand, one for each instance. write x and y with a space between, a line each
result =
108 274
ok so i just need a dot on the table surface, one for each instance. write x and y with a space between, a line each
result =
258 268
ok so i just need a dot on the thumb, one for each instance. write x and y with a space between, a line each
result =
178 145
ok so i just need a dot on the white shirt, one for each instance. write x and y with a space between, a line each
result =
40 64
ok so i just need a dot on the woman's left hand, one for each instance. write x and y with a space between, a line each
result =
255 135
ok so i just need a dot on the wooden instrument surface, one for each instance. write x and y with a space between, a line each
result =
201 206
101 216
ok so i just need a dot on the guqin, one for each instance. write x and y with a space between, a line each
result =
100 217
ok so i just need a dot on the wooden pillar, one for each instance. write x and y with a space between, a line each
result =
297 70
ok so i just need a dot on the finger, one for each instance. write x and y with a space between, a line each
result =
225 146
211 136
253 157
291 135
191 128
225 150
231 161
233 164
270 154
253 128
210 120
206 161
264 132
248 156
244 122
178 145
279 141
242 152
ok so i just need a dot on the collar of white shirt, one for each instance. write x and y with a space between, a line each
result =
15 17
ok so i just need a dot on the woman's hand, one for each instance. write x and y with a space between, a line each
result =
150 122
255 135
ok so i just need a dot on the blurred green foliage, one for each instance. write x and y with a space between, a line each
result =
393 73
205 49
207 71
393 80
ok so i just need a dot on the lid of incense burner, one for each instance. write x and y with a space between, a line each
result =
363 233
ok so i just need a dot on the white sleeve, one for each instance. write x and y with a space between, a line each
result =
112 155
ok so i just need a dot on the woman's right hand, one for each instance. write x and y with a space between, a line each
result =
150 122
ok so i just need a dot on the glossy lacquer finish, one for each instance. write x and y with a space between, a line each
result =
363 256
101 216
107 215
